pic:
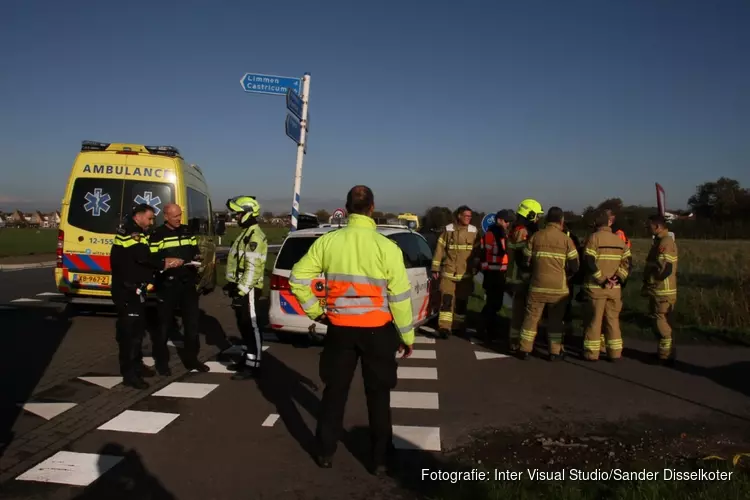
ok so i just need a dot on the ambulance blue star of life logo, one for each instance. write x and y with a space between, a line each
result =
97 202
149 199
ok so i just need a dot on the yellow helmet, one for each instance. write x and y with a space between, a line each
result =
248 206
531 209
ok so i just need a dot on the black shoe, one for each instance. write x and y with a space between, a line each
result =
236 367
444 333
198 366
523 356
164 370
135 382
555 357
246 374
145 371
323 462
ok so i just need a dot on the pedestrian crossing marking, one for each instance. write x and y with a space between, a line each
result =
26 300
191 390
409 437
142 422
106 382
415 400
67 467
489 355
216 367
417 373
420 354
48 411
270 420
419 339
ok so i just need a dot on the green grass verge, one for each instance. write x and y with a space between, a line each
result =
17 241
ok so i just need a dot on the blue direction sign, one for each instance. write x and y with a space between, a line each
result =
293 129
487 222
269 84
294 103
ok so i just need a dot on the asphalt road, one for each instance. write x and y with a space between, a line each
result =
26 284
212 437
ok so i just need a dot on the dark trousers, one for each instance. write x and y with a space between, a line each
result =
343 347
494 287
246 313
130 330
175 294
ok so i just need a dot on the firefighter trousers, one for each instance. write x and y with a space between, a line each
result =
535 307
603 322
494 288
454 302
177 294
130 330
660 309
343 347
520 296
246 313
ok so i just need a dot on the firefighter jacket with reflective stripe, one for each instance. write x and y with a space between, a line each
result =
131 262
457 252
552 257
516 244
605 256
660 272
246 262
366 282
621 234
494 254
178 243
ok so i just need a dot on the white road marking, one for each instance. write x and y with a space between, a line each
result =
427 329
49 294
106 382
149 361
216 367
7 308
418 339
408 437
143 422
265 347
186 390
489 355
415 400
270 420
176 344
48 411
26 300
420 354
417 373
67 467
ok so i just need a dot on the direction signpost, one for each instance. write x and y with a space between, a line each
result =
487 222
269 84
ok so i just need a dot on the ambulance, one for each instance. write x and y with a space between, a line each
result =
109 179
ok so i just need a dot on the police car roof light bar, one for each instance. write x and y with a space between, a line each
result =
94 146
163 150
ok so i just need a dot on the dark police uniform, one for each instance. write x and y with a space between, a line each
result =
133 269
176 288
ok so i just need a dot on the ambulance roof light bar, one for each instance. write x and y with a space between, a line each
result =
94 146
163 150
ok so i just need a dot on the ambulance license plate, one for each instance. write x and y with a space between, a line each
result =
93 279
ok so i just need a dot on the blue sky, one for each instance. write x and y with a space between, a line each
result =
476 102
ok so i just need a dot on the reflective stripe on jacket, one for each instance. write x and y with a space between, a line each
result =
516 243
494 256
457 252
552 257
660 273
606 256
366 281
246 262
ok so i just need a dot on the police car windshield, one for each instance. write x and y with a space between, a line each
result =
293 250
98 205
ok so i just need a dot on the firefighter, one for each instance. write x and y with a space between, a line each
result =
176 288
517 279
246 264
552 259
606 263
575 280
494 264
660 284
455 262
368 314
133 269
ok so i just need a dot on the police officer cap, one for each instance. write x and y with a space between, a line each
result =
506 215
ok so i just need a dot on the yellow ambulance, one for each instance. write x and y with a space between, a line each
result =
106 182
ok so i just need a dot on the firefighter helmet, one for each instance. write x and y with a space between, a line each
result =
246 206
531 209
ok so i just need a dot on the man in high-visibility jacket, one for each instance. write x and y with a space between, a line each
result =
517 278
455 262
552 258
616 230
246 264
660 284
368 314
494 265
607 263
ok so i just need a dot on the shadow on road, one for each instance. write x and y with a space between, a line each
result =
128 480
28 343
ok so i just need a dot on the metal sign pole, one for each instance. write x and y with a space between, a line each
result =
300 150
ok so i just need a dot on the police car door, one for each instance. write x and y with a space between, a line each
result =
428 289
408 246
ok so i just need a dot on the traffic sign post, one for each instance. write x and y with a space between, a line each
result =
294 103
487 222
301 140
269 84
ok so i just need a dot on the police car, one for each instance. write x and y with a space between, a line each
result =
286 314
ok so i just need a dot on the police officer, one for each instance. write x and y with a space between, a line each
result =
368 314
176 288
551 257
494 265
660 284
133 269
246 266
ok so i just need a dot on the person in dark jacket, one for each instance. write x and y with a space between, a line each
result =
494 265
133 268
